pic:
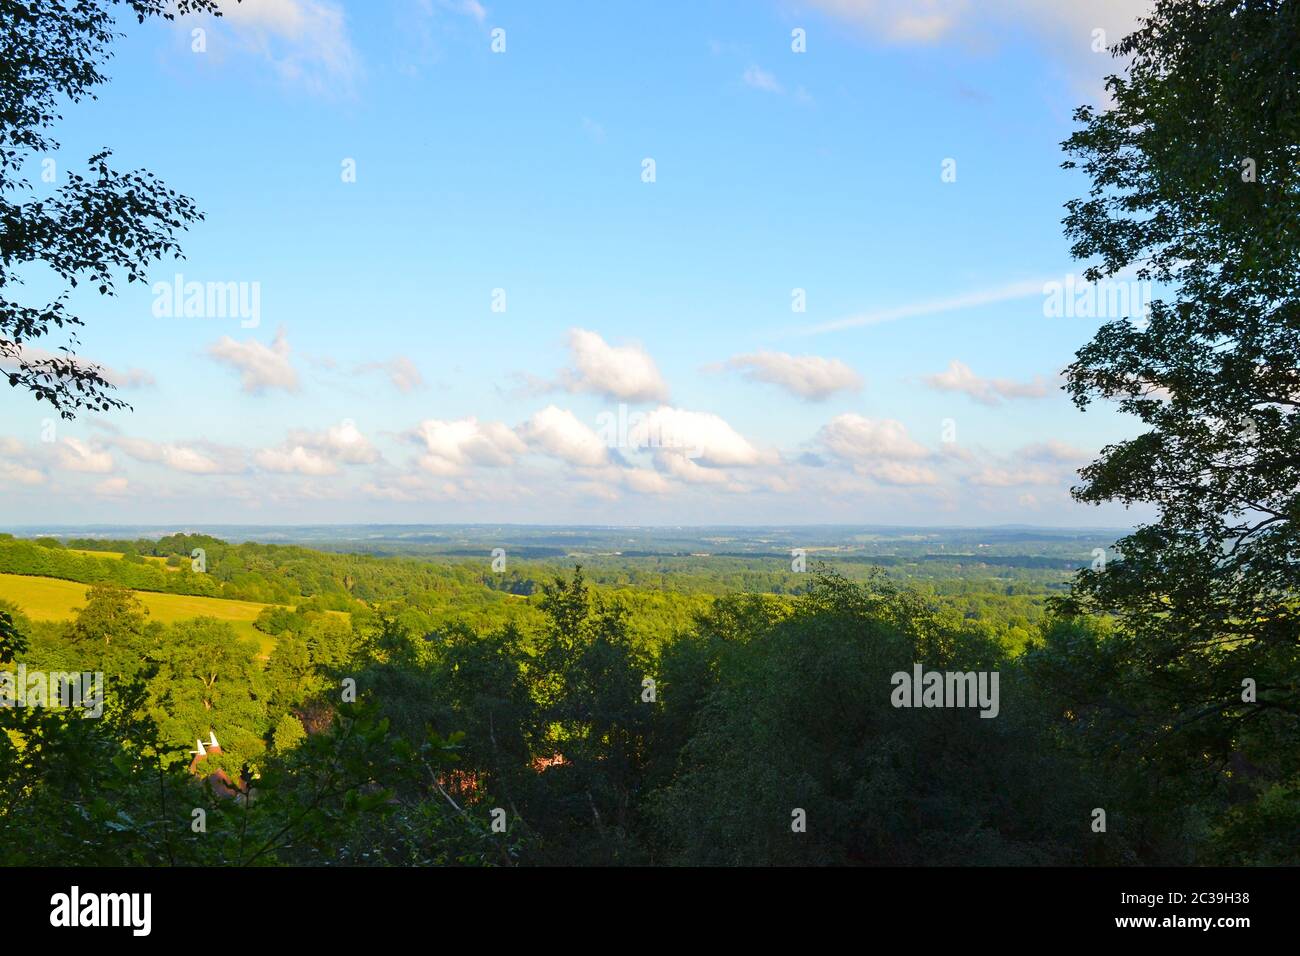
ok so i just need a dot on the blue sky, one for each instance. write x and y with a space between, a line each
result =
919 385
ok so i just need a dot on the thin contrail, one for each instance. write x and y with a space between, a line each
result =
967 300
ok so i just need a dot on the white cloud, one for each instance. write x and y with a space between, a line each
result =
16 464
1050 463
190 460
111 487
198 459
683 468
678 433
453 446
260 367
1065 28
1116 17
295 459
626 373
401 371
928 21
808 376
760 79
398 488
305 41
899 473
594 489
13 472
646 482
1055 452
343 441
76 455
923 29
421 485
319 453
694 447
558 432
858 440
993 477
130 378
898 20
607 480
958 377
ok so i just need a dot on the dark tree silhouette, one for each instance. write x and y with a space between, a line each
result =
1195 176
95 225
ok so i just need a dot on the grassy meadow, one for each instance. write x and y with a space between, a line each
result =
49 599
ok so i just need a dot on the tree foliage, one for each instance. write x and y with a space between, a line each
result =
93 226
1195 185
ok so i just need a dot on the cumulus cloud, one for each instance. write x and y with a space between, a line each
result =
958 377
343 441
16 473
76 455
855 439
686 470
807 376
625 373
704 436
453 446
881 449
693 447
199 458
558 432
608 481
295 459
646 481
261 367
319 453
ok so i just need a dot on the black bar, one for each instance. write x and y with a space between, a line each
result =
336 905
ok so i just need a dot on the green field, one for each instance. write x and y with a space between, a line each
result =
50 599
